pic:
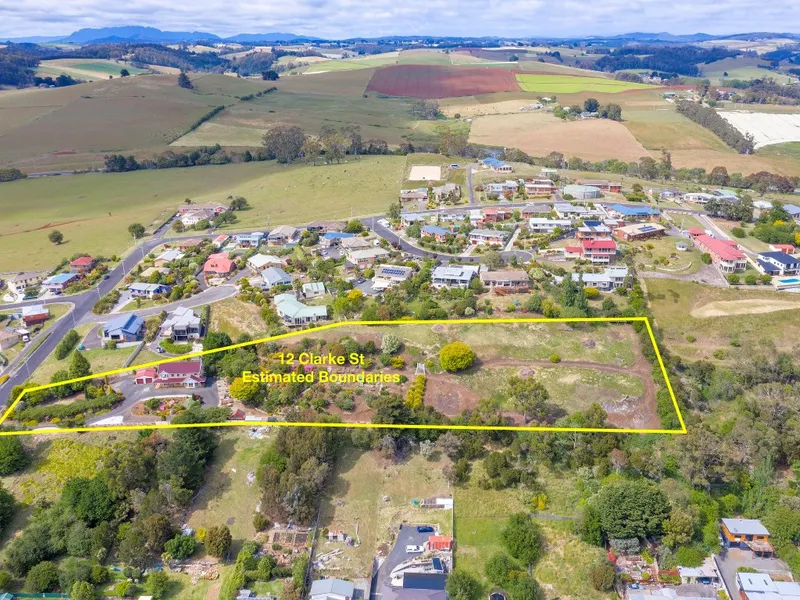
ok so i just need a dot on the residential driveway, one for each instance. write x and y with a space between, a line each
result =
407 536
137 393
730 559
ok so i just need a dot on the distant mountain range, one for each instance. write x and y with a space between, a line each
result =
137 33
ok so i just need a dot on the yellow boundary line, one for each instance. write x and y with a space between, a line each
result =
644 320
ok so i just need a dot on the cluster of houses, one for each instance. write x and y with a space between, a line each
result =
181 325
78 270
30 317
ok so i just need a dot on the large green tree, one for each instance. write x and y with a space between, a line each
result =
523 539
218 540
528 396
632 509
461 585
7 504
13 457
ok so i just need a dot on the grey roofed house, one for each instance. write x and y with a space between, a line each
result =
273 276
612 277
745 526
339 589
417 586
454 276
182 324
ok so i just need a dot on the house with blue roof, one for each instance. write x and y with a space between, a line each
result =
496 165
124 328
434 231
334 238
794 211
58 283
778 263
632 213
147 290
725 194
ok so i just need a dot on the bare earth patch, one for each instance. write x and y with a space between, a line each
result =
724 308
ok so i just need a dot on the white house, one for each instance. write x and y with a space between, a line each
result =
294 313
458 276
331 589
541 225
258 262
314 289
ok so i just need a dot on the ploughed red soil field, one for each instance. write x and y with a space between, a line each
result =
436 81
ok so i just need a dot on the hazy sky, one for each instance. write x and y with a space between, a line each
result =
370 18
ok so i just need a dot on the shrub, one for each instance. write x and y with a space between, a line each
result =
733 279
260 522
691 339
738 232
602 575
456 356
416 392
591 293
12 455
555 358
174 348
67 343
689 556
705 258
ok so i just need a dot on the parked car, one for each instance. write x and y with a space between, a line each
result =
424 529
454 166
414 549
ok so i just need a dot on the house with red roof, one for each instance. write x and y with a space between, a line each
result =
785 248
183 373
725 254
440 542
218 264
599 251
82 264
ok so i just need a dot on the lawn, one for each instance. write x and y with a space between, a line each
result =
566 84
227 497
369 497
757 320
94 211
101 360
480 516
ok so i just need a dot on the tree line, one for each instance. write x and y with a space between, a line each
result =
682 60
711 120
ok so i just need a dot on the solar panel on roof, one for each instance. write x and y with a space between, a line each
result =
437 564
647 228
391 271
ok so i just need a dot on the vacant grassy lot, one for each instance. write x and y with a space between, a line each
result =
355 504
100 359
78 125
756 320
558 84
660 126
651 254
235 318
480 518
87 70
539 134
244 124
227 496
94 211
740 67
351 64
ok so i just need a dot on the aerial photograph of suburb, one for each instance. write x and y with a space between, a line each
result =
379 300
